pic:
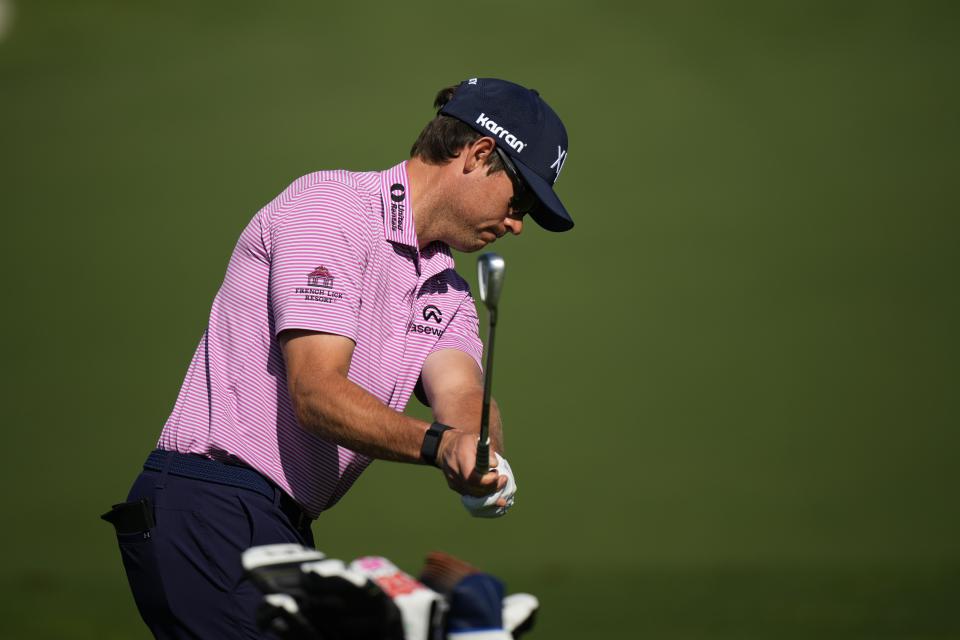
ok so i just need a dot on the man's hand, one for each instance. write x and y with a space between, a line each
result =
457 457
495 504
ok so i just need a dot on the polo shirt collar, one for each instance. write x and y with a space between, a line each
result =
397 208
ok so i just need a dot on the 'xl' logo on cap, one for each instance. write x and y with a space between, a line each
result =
558 163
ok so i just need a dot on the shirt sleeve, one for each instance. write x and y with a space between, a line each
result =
318 252
463 332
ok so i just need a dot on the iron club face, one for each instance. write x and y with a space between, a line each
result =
490 270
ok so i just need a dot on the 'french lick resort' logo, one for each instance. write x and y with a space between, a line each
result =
320 277
319 287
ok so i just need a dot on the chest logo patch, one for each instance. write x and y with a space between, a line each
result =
430 312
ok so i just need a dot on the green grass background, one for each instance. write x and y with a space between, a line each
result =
731 394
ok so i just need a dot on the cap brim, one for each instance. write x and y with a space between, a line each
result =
550 212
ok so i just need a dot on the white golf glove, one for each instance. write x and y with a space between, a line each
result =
486 506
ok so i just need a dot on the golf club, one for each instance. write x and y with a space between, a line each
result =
490 270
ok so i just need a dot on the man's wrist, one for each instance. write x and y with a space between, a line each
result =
430 448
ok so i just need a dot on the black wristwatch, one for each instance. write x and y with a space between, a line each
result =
431 443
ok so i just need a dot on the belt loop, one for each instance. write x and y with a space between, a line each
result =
277 495
167 461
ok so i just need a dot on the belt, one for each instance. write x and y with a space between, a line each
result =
199 468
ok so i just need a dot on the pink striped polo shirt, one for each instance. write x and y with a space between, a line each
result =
335 252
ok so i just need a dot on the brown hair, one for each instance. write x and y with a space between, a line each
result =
444 137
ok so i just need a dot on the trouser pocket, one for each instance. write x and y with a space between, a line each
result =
130 518
134 523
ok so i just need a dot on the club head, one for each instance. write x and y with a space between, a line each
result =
490 270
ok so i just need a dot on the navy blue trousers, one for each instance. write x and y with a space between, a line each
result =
185 572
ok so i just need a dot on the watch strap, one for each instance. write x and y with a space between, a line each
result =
431 443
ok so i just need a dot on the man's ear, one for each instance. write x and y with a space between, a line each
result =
477 153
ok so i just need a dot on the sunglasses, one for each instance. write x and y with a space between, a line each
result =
523 200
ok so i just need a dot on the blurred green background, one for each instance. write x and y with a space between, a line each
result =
731 394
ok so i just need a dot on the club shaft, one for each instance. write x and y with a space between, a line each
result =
483 446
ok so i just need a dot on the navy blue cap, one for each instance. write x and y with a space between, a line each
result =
527 130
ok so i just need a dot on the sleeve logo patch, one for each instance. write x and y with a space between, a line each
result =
319 287
320 277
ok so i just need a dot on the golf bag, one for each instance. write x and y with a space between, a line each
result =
308 596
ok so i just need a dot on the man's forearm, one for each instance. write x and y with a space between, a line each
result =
341 411
463 412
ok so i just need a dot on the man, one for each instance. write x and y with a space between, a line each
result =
340 298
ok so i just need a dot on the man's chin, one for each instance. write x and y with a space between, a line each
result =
477 244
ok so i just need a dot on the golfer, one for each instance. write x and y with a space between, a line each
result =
339 302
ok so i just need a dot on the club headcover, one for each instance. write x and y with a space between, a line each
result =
422 608
310 597
476 602
275 568
520 613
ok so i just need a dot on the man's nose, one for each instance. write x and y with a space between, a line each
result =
514 225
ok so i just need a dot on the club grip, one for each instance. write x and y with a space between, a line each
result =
483 456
